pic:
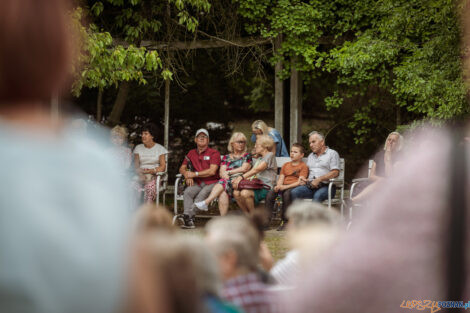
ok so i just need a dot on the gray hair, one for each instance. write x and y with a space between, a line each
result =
320 135
302 214
237 234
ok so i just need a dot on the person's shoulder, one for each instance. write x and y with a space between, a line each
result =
213 151
332 152
138 148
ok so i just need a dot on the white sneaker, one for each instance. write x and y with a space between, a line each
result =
201 206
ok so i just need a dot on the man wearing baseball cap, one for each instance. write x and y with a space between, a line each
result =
200 169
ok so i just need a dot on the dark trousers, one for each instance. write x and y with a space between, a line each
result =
286 201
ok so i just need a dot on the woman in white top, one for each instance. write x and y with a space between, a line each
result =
149 159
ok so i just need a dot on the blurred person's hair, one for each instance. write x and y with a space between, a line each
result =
237 234
259 124
266 142
169 260
260 219
37 49
120 131
150 217
152 129
235 136
299 146
400 140
305 214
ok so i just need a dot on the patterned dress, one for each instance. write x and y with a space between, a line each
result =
231 164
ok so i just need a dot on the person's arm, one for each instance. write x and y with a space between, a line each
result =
136 162
223 172
211 171
280 183
261 167
373 170
242 169
331 174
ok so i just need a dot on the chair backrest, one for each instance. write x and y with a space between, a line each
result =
369 169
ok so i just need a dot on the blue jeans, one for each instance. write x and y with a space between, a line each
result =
317 194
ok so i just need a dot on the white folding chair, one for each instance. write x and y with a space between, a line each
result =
355 182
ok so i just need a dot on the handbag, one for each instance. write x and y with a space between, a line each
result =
255 183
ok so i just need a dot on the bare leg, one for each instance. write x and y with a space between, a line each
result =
223 203
216 191
249 197
240 201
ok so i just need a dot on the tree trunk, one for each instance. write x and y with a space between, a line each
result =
99 105
119 103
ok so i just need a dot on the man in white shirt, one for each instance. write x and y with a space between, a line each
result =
323 164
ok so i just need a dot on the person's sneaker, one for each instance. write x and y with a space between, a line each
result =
201 205
188 222
282 226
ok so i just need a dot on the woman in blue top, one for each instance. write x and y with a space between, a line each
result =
260 128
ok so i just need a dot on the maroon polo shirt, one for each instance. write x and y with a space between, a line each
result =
202 161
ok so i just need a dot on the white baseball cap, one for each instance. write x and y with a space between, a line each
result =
202 130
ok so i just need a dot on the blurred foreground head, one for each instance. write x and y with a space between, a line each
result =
235 242
35 49
172 272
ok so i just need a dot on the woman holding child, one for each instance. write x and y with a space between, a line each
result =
290 175
264 169
234 164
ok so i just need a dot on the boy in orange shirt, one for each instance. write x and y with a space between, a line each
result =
290 175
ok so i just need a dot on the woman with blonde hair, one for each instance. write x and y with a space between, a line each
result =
234 164
260 128
264 169
383 166
122 152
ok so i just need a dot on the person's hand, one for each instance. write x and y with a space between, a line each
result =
189 174
225 175
302 181
189 182
265 257
236 181
277 188
316 182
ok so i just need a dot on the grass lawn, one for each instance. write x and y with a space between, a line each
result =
276 240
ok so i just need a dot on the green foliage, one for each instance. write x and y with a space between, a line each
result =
105 62
385 55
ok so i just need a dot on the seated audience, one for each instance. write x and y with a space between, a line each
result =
382 167
235 242
264 169
290 177
200 170
323 164
260 128
234 164
149 159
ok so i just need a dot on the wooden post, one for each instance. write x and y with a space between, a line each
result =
99 105
295 106
166 140
278 93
